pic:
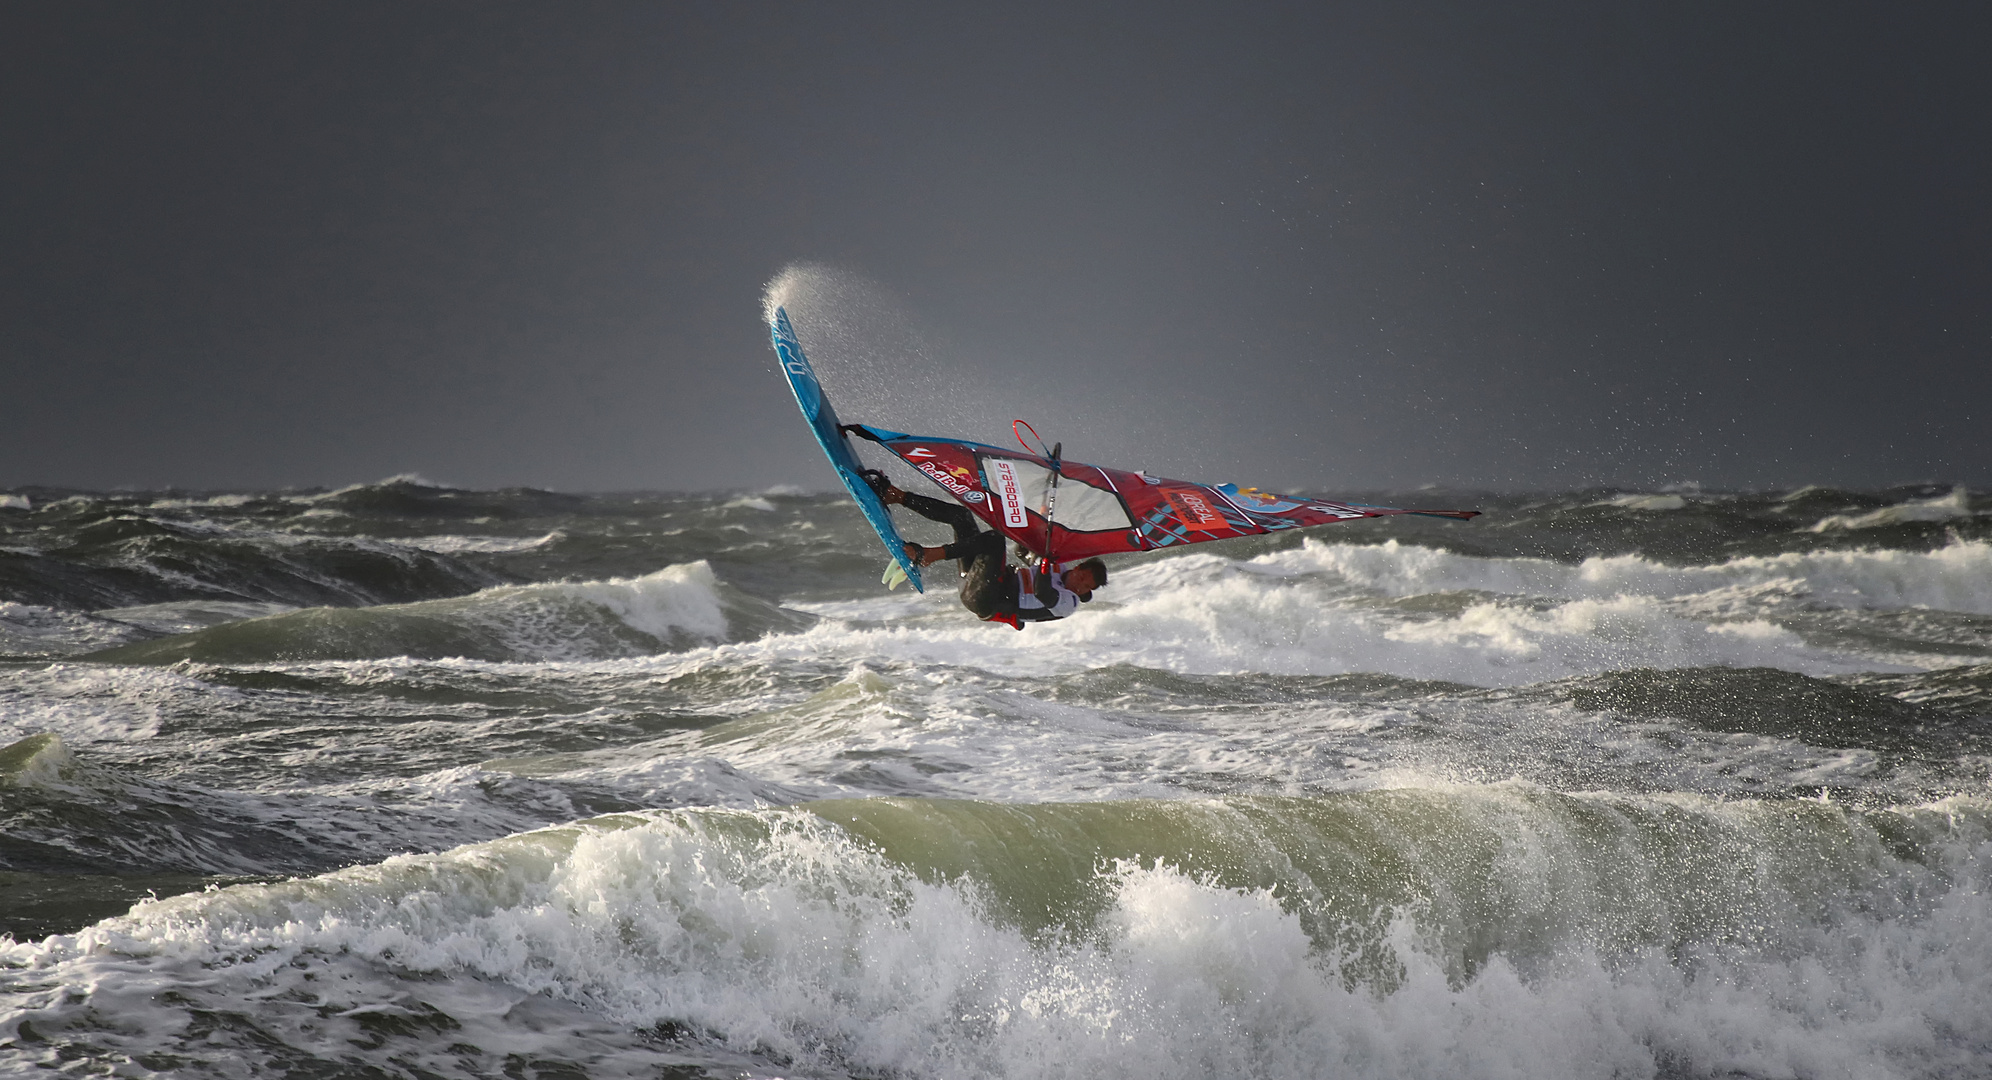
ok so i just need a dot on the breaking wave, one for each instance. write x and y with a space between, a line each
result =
1482 931
675 608
1952 507
1427 613
1956 577
1648 784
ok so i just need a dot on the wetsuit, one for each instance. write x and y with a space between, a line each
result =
989 587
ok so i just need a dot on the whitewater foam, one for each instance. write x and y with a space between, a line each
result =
34 630
780 935
1644 502
407 479
229 501
1951 507
85 703
1956 577
1315 611
452 544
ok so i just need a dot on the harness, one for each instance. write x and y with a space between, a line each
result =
1025 578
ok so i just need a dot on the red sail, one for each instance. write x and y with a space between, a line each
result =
1099 511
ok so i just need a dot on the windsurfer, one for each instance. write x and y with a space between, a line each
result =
990 587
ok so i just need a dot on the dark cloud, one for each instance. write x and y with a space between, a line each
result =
1367 245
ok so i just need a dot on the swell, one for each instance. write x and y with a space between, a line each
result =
63 815
672 609
398 541
122 559
370 758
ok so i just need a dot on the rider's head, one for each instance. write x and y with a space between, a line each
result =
1087 576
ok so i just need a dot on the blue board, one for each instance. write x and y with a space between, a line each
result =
823 421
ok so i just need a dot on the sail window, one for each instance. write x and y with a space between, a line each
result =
1081 507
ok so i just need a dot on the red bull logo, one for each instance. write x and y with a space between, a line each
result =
950 479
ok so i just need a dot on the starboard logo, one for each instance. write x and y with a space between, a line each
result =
1009 492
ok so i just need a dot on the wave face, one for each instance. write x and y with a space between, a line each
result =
403 780
675 608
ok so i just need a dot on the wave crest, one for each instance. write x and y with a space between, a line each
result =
676 608
1385 934
1956 577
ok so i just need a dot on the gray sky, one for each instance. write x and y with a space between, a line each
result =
1314 245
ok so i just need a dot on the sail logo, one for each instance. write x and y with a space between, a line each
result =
919 452
948 480
1009 492
1254 501
1195 511
789 352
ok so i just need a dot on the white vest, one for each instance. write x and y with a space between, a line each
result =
1067 603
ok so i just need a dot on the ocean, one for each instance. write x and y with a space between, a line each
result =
401 780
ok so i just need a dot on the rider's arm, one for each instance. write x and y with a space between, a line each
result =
1047 590
1059 602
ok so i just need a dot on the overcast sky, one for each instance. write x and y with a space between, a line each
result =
1315 245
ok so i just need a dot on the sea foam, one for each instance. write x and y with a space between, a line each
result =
1416 612
1956 577
1951 507
782 936
35 630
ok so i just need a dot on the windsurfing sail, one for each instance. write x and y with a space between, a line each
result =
830 435
1103 511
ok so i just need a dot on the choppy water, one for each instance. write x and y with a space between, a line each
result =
449 783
